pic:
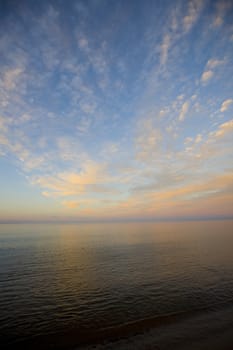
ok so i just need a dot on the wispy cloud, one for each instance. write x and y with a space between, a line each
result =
213 63
10 78
223 129
207 75
210 69
184 110
148 141
179 24
74 183
194 9
71 204
225 105
221 9
164 48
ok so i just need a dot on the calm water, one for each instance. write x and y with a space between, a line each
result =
59 277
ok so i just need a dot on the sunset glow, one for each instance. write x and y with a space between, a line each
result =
116 110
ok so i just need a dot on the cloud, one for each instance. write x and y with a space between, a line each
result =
186 167
215 148
4 123
164 49
69 149
179 25
84 125
223 129
221 8
11 77
215 184
188 140
183 111
148 140
194 9
225 105
70 204
218 21
200 197
213 63
207 75
198 138
92 178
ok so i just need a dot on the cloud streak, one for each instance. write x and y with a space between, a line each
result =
225 105
184 110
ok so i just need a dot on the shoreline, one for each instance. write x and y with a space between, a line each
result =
150 328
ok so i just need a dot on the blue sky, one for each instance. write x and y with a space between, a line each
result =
116 109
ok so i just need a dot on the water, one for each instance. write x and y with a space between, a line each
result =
60 278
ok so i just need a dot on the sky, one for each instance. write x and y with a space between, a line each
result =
116 109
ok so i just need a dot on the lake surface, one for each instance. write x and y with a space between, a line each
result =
76 277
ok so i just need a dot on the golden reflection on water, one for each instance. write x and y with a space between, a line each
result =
138 231
201 240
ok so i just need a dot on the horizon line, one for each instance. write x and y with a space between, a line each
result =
113 220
